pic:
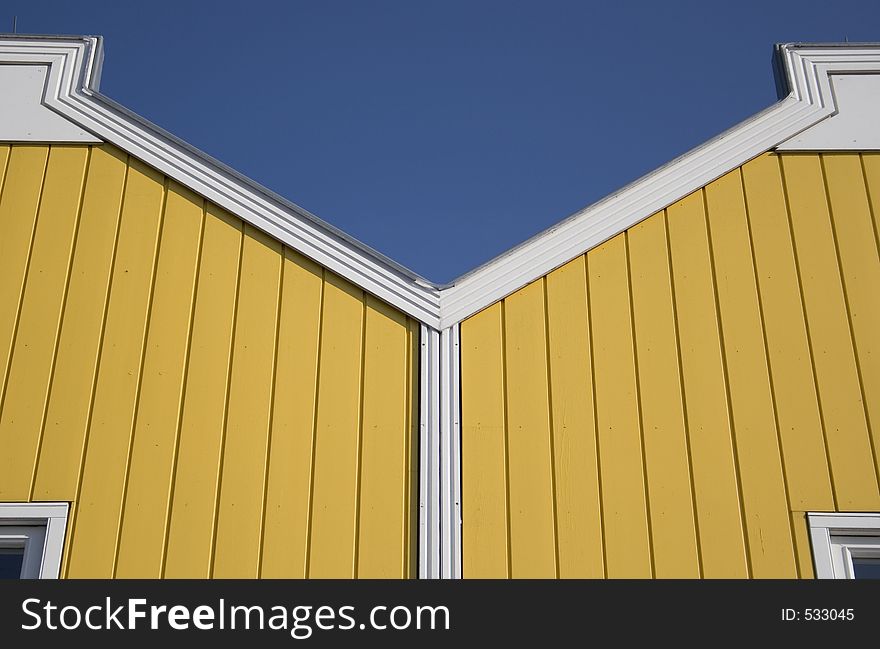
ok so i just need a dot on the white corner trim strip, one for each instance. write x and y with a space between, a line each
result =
54 517
429 454
71 91
440 455
450 454
810 101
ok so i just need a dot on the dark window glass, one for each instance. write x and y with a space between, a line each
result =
866 567
10 562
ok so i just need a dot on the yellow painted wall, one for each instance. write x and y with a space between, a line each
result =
672 402
210 402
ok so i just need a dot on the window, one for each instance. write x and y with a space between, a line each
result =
845 546
11 560
31 539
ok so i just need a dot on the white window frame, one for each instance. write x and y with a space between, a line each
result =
837 538
40 528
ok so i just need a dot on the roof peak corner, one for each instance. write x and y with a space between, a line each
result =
54 80
807 117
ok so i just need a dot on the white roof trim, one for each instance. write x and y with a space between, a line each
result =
23 118
811 100
854 127
71 90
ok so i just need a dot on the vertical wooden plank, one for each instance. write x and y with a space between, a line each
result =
5 150
722 542
151 470
765 499
849 446
33 356
93 551
532 498
61 451
578 506
627 536
871 170
802 545
285 539
22 187
334 504
673 530
383 456
797 404
860 267
240 514
484 529
190 536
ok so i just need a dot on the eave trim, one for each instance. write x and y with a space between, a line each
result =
809 101
72 91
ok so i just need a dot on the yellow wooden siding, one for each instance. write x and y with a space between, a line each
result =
578 506
529 444
716 480
209 401
621 450
484 488
667 456
699 381
852 466
27 380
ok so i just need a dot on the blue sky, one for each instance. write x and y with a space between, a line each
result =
443 133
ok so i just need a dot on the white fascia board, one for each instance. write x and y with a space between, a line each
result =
71 90
810 101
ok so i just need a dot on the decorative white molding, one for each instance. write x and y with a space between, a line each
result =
828 535
23 118
854 127
810 100
71 90
51 515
